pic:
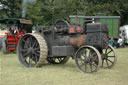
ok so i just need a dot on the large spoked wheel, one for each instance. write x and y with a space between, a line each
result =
58 60
109 57
4 48
32 50
88 59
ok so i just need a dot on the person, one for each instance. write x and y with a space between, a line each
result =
111 42
13 29
120 42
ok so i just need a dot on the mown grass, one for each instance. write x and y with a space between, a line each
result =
13 73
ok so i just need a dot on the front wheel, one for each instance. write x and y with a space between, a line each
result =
88 59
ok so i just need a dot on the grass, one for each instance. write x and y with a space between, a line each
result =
13 73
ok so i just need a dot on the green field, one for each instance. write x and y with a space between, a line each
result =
13 73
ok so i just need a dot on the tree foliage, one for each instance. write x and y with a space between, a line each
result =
11 8
47 12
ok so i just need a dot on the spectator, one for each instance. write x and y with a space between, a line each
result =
119 42
111 42
13 29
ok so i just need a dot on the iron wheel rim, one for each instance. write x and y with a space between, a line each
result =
109 57
91 61
29 51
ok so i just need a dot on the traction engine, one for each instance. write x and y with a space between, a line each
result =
87 45
17 28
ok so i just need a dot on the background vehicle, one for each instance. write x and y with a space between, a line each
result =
1 43
124 33
113 23
17 28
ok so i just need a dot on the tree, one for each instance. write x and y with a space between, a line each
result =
34 12
109 7
11 8
47 12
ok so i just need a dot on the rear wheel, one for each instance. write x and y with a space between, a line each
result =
88 59
32 50
58 60
109 57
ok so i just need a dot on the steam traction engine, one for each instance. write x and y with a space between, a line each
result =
17 28
87 45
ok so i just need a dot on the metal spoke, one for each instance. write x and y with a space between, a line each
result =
109 51
36 54
28 43
90 66
106 51
83 52
83 55
94 65
85 66
23 50
34 43
31 41
79 57
37 49
35 58
102 62
26 54
24 40
54 59
90 55
59 59
110 61
30 61
25 58
96 59
107 63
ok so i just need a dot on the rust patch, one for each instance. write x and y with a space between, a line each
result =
78 41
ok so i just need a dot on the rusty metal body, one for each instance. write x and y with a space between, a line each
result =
74 37
78 41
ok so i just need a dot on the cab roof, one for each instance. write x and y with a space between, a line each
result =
15 21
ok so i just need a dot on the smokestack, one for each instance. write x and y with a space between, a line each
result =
24 8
